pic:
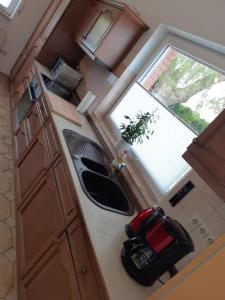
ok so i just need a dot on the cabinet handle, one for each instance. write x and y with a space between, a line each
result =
83 270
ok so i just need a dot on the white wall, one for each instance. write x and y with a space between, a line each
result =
202 204
19 29
204 18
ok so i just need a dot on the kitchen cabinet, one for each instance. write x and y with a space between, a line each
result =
19 86
206 155
96 24
20 140
44 112
91 286
33 122
33 165
40 222
52 141
87 20
25 132
16 93
66 191
53 277
107 33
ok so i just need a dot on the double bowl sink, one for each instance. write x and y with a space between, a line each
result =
91 162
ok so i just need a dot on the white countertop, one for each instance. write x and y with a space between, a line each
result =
105 228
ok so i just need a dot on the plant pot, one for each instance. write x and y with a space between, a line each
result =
122 145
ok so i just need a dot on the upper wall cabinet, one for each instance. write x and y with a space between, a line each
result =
107 33
207 155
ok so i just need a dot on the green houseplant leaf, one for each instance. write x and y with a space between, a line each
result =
139 127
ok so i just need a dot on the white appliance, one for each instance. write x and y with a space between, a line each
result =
64 74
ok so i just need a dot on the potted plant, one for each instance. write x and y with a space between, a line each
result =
136 130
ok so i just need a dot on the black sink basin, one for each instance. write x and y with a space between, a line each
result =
94 166
90 160
105 192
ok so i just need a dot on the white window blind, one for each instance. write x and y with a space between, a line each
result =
161 156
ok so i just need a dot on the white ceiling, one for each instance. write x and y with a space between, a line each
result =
19 29
204 18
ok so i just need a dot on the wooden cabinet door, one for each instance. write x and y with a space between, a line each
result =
15 98
33 122
32 166
53 278
87 21
105 17
89 279
207 155
39 222
125 31
95 26
44 113
17 92
52 141
66 191
20 140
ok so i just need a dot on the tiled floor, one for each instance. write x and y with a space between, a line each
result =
7 204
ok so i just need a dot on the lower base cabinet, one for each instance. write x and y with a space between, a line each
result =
67 271
89 279
53 278
40 222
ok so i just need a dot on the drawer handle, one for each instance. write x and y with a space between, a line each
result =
83 270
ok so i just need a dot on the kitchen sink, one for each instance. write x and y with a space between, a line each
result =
90 162
105 192
94 166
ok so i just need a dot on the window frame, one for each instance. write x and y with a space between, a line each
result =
10 11
203 51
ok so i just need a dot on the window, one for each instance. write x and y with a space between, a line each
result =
9 7
5 3
188 95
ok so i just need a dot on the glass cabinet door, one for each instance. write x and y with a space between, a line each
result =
99 29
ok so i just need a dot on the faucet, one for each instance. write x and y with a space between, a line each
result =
118 163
